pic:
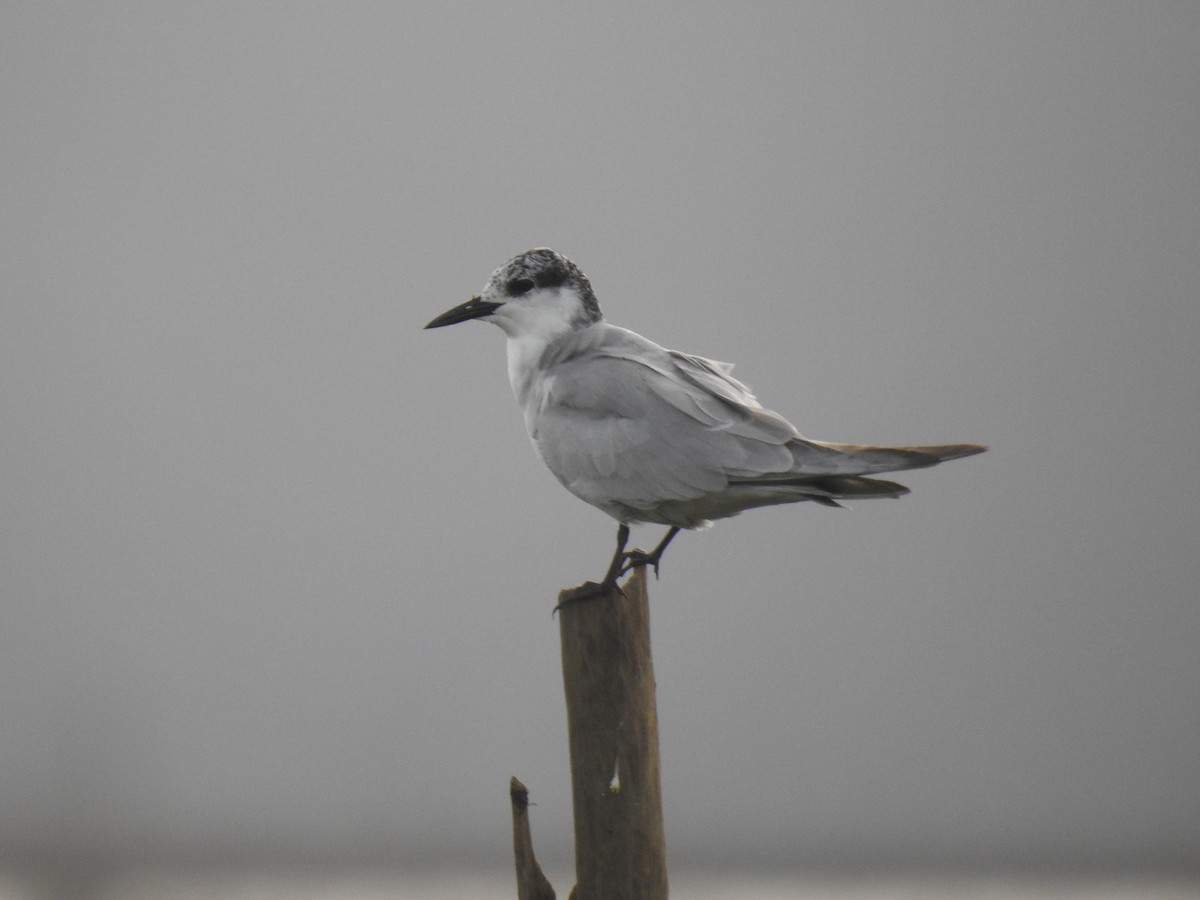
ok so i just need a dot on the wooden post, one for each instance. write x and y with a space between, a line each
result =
531 882
612 720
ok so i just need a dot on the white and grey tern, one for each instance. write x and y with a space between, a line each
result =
650 435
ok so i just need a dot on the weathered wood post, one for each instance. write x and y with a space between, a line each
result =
531 881
612 723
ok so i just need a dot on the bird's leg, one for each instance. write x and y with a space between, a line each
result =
616 569
637 558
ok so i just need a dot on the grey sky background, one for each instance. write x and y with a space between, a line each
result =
278 565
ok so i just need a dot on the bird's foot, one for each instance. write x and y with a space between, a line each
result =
635 559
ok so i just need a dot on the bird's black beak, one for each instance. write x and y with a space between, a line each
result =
474 308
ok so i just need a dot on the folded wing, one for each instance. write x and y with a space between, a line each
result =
630 424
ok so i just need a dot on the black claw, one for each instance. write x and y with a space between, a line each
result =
589 590
622 563
637 558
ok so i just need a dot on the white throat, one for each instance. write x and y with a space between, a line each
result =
531 325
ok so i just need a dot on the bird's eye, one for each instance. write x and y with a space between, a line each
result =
519 286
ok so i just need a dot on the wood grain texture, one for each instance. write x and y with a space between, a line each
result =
612 720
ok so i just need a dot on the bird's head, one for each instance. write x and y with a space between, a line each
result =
539 292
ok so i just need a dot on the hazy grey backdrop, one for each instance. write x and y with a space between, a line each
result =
278 565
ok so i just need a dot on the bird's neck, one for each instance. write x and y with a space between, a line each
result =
524 355
532 355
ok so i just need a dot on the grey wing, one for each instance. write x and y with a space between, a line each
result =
738 411
644 427
637 425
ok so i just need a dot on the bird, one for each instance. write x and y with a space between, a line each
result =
651 435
